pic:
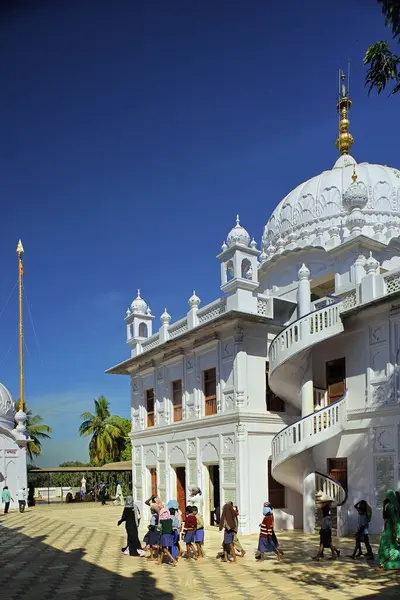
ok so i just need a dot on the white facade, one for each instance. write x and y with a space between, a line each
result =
321 304
13 443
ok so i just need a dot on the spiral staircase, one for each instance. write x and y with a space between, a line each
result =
293 448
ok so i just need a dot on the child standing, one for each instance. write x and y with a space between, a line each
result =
175 549
189 533
229 524
266 542
325 534
152 537
199 535
364 517
165 525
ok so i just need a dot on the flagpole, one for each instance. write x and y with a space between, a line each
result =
20 252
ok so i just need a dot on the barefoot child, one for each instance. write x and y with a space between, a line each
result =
229 524
175 549
364 517
189 533
199 535
325 534
152 537
266 541
165 524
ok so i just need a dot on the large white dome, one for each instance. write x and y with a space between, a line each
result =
7 407
314 214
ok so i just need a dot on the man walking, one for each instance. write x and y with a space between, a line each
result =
119 498
6 498
21 495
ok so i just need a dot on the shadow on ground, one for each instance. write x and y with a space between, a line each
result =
31 569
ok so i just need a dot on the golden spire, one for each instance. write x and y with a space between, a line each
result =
344 140
20 253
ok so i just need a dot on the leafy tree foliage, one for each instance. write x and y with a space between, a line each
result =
37 431
383 64
107 433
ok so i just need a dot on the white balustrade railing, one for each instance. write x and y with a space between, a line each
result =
305 332
320 398
178 328
309 431
329 487
211 311
392 280
151 342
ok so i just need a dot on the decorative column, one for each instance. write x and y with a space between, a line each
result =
242 478
192 318
358 269
372 285
307 388
303 292
309 492
239 367
163 331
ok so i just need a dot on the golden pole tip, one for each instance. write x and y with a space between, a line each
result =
20 248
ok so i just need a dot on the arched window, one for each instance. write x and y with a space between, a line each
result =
247 271
229 270
143 330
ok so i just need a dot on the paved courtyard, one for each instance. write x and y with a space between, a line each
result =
67 552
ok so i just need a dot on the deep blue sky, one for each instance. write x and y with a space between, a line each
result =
131 133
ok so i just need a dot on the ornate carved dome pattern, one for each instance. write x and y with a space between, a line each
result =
305 216
7 408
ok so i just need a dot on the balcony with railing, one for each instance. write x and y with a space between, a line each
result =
303 333
309 431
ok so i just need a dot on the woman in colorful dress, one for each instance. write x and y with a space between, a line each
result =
389 547
266 541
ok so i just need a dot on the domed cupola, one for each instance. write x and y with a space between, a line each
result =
139 306
238 235
349 200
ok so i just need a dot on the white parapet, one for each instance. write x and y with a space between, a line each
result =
308 432
305 332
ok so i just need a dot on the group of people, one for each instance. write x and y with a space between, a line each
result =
389 547
168 527
6 499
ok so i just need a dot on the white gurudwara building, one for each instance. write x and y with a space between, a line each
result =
288 384
13 442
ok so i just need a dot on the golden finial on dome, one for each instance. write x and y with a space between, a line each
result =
344 140
354 176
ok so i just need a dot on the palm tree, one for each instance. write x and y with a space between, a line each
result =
37 431
105 431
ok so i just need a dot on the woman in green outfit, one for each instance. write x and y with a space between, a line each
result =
389 547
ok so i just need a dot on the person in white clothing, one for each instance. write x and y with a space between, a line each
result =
196 498
119 498
21 495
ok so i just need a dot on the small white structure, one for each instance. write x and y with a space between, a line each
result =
13 442
287 385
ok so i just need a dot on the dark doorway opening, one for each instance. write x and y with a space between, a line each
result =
337 469
181 488
335 379
214 494
153 474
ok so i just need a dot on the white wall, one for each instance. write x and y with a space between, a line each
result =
351 346
12 465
